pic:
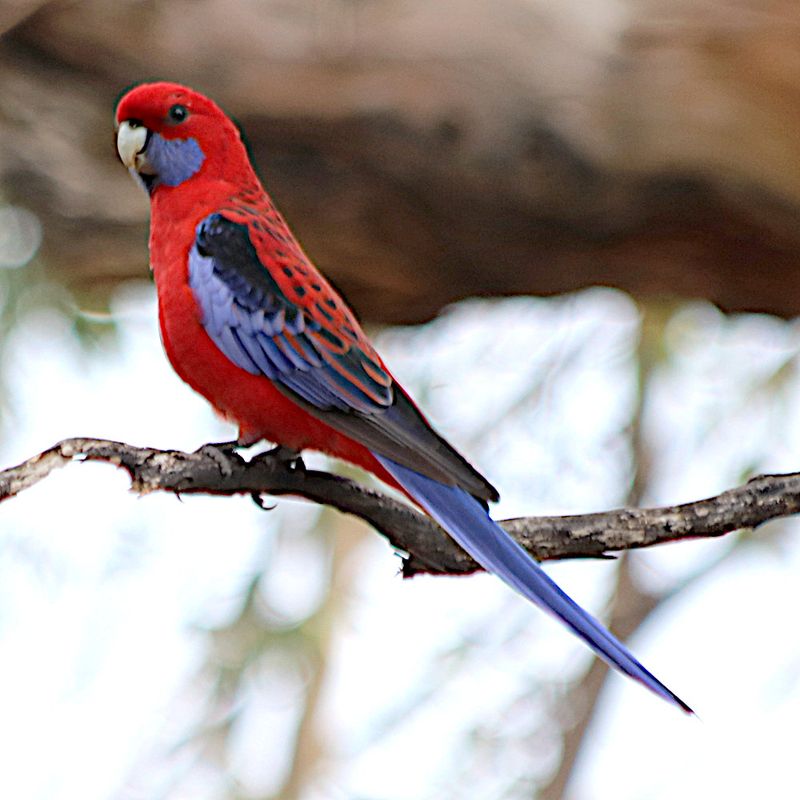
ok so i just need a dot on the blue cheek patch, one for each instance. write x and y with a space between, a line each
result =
174 160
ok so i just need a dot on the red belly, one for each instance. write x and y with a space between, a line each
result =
250 401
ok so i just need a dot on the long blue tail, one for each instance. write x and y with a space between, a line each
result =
471 526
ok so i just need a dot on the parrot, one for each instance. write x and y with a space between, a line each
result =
250 324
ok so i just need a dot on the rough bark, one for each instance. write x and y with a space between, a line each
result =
221 472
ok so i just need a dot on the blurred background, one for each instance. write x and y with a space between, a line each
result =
572 228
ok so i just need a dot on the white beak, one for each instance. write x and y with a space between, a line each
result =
131 141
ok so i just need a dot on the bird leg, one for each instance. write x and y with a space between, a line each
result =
292 459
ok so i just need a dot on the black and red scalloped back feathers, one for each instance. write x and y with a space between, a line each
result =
249 323
292 403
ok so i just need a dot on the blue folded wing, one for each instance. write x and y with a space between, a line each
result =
324 363
250 318
312 350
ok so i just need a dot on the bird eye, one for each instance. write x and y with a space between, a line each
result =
178 113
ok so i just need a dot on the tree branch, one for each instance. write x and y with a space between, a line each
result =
213 471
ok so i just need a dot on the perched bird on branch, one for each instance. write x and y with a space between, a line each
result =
249 323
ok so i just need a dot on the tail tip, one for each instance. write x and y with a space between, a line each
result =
672 698
685 707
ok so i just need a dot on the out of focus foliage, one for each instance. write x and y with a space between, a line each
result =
426 153
209 649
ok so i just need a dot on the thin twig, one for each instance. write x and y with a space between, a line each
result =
595 535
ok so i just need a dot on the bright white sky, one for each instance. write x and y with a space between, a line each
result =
102 593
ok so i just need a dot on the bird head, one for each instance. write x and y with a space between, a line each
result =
167 134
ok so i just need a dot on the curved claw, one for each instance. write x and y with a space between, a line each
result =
259 501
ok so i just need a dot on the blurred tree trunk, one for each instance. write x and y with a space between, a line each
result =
312 753
631 605
429 152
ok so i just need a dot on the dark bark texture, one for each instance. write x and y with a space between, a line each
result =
211 470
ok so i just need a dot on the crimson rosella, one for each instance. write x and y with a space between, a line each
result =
249 323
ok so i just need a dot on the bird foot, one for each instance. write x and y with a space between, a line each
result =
223 453
290 458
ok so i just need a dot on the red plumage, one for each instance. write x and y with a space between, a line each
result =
249 323
227 181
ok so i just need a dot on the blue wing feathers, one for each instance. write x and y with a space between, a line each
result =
252 321
259 356
297 325
294 358
335 375
311 355
233 348
331 371
244 320
472 527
